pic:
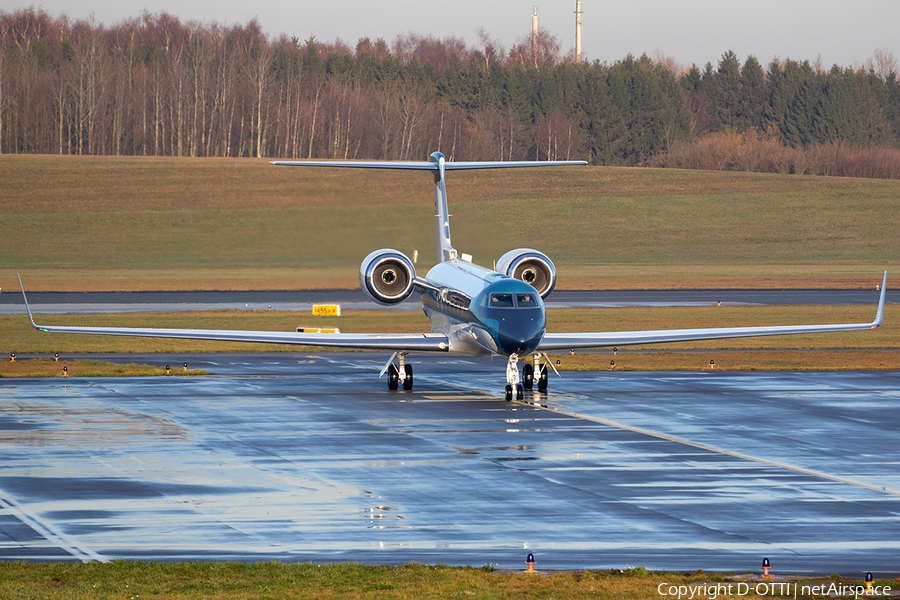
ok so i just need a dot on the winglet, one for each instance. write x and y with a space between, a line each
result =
27 308
879 314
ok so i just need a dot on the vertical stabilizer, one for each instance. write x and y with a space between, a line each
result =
445 249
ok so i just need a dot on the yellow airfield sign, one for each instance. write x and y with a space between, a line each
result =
327 310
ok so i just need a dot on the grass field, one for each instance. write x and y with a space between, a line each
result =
139 223
175 581
47 367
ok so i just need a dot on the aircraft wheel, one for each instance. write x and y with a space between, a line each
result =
508 392
528 376
520 392
408 382
393 377
542 379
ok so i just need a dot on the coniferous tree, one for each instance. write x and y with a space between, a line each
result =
725 104
753 96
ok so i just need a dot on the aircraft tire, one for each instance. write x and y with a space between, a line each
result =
508 392
528 376
408 382
520 392
542 379
393 377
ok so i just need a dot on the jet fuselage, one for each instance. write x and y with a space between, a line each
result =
482 311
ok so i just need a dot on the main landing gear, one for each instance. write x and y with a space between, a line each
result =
531 373
398 374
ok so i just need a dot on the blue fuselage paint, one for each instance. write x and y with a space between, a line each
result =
473 305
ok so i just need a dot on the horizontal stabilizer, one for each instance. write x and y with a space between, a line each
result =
425 165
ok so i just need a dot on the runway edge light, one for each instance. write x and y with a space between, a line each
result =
869 581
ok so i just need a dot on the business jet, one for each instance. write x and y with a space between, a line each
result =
474 311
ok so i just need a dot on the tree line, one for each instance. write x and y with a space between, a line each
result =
154 85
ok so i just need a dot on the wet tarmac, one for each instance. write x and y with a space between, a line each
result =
302 457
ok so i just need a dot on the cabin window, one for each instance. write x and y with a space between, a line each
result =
526 300
501 300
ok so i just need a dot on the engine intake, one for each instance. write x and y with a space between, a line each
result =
533 267
387 276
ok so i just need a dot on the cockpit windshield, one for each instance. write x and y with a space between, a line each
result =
501 300
510 300
526 300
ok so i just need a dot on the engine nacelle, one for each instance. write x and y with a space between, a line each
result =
533 267
387 276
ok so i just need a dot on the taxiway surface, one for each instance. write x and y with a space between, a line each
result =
305 457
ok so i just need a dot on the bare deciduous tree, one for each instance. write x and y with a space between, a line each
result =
885 63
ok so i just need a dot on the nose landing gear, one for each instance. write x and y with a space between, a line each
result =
512 379
534 372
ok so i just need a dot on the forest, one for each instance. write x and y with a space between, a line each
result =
153 85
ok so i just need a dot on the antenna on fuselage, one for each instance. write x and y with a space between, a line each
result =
445 250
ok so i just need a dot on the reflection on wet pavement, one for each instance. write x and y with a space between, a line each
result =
298 457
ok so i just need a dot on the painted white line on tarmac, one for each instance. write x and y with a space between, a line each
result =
50 532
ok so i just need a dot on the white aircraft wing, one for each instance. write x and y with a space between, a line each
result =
570 341
395 342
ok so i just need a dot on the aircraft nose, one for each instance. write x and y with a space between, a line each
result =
520 336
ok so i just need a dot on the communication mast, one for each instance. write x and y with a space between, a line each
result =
577 31
534 36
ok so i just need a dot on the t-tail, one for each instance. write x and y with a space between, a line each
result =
439 166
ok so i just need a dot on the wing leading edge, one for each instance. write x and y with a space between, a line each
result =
405 342
431 342
567 341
